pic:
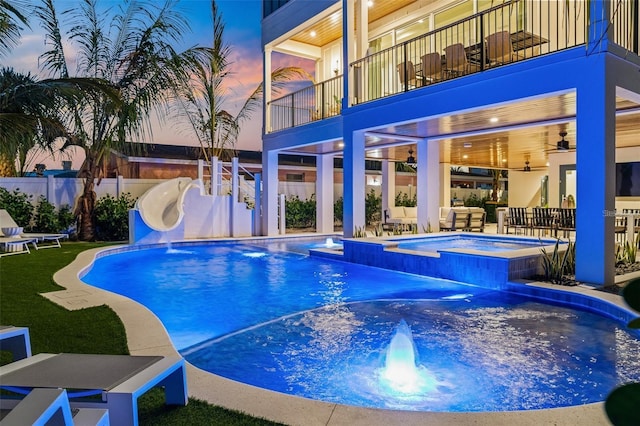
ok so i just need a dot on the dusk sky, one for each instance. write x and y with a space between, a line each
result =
242 34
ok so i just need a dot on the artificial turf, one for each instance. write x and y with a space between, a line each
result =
54 329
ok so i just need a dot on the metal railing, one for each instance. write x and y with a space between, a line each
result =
317 102
503 34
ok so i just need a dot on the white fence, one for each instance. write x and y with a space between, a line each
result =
61 191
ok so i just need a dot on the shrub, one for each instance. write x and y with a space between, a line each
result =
45 218
300 213
18 205
338 212
402 199
66 219
372 206
557 265
111 217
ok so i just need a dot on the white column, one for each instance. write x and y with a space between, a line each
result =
428 184
324 193
445 184
388 186
234 196
354 182
595 166
270 193
266 78
257 208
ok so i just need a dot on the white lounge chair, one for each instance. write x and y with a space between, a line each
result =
51 240
119 379
51 407
15 245
15 340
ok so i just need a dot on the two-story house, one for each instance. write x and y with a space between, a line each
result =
538 87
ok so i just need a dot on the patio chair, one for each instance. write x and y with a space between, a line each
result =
456 62
518 220
566 221
500 50
51 240
407 74
51 407
544 220
455 220
431 67
119 380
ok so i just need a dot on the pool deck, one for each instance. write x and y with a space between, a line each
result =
147 336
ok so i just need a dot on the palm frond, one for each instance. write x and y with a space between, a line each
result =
12 14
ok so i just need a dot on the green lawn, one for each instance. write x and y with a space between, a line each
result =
92 330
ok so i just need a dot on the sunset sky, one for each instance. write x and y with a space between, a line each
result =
242 34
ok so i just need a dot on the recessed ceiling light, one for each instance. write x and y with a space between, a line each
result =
504 160
493 120
312 33
465 156
341 145
547 164
370 3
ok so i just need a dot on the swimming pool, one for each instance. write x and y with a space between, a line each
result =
471 242
233 309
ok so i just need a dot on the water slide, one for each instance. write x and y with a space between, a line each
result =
162 207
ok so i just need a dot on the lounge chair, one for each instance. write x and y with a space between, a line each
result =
455 220
51 407
51 240
15 245
15 340
118 379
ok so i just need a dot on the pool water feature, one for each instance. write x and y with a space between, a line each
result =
233 309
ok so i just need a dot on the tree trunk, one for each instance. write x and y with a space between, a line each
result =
87 201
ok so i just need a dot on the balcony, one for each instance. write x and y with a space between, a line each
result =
516 31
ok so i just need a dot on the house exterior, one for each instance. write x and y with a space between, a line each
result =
537 87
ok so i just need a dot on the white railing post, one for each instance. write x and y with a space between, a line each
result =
119 186
281 209
257 209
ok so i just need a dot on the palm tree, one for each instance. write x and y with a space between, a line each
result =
31 113
202 98
132 49
12 14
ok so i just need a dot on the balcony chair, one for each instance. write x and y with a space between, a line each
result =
456 62
431 67
500 50
406 69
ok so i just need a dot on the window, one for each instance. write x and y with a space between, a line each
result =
295 177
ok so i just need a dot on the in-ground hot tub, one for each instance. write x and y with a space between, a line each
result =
483 259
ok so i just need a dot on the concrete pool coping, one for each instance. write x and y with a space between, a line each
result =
147 336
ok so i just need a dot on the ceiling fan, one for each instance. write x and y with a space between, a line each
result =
527 166
562 144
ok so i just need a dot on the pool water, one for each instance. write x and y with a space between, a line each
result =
319 329
493 244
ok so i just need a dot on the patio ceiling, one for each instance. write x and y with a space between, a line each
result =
329 28
502 137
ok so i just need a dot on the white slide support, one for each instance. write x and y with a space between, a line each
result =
162 207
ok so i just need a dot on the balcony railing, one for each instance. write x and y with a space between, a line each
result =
317 102
507 33
504 34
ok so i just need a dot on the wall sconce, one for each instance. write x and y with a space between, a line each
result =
337 68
